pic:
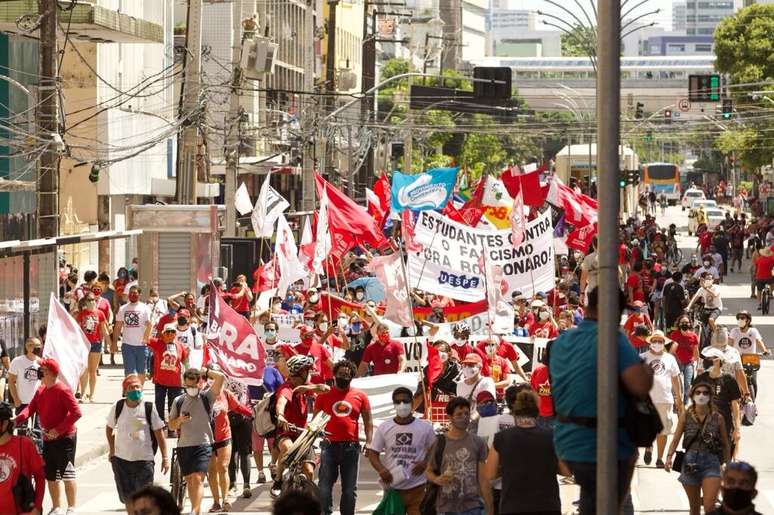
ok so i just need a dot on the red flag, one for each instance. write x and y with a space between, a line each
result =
349 220
527 183
580 239
383 190
434 366
579 209
407 231
266 276
233 344
472 210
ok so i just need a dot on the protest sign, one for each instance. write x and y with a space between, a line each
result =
449 264
429 190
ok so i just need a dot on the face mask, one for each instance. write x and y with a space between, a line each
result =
459 341
342 383
134 395
134 297
192 391
270 335
309 323
469 372
461 422
384 337
359 295
355 327
701 399
685 327
543 315
741 323
707 264
488 409
657 347
736 498
40 374
313 299
490 349
323 326
444 356
403 409
182 321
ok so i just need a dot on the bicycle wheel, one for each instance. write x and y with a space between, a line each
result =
677 256
765 301
177 483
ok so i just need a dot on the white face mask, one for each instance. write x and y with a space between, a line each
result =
701 399
657 347
193 391
543 315
491 348
469 371
323 326
459 341
359 295
313 298
403 409
741 323
444 356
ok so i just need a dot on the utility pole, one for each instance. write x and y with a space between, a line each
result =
48 123
408 138
608 141
234 120
330 81
367 81
307 178
188 147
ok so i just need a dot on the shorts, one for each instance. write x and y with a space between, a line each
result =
131 476
665 414
698 466
135 357
221 444
193 459
713 314
309 457
257 441
761 283
96 348
59 458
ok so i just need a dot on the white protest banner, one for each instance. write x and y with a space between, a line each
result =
379 391
416 351
449 262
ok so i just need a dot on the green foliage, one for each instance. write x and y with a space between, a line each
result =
749 144
438 161
581 42
481 151
744 44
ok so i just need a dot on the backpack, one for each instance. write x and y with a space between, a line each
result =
265 415
148 418
207 408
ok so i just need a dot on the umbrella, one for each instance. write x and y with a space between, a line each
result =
374 290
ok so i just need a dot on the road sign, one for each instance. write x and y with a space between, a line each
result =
684 105
676 114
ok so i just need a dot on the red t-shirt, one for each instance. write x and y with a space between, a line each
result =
333 340
240 304
636 319
19 454
462 350
541 383
168 362
323 371
622 254
635 283
344 407
686 343
384 357
763 266
296 409
104 307
91 323
224 403
507 350
647 281
705 240
546 327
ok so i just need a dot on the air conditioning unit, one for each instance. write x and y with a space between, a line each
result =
347 79
258 57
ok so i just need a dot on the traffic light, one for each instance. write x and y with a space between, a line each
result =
632 177
728 108
638 110
622 179
668 115
704 88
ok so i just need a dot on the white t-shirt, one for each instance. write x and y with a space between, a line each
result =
134 316
132 436
403 446
26 372
192 340
464 390
664 369
746 342
711 301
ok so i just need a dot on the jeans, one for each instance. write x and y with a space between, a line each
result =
166 392
688 371
338 457
135 358
586 476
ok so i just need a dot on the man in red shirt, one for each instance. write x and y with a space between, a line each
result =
763 264
94 325
307 347
634 291
341 449
292 408
385 355
17 454
240 296
57 412
168 358
461 343
541 383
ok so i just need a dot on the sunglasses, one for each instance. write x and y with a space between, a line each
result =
704 392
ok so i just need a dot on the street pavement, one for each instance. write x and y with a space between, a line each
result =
653 490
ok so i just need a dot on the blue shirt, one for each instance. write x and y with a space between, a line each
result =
271 381
520 331
574 389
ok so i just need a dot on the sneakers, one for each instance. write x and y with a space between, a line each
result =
216 508
648 456
56 511
659 463
261 477
246 493
70 511
276 488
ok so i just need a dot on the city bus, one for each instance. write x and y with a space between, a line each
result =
662 178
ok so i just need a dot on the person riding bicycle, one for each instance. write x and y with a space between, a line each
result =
763 264
709 295
747 340
707 266
292 409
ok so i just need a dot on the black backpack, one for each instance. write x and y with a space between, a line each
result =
148 417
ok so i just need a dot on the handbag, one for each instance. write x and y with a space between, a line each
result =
23 491
429 501
679 459
641 420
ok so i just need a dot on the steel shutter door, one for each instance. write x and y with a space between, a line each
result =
174 263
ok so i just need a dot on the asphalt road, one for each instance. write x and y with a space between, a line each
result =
653 490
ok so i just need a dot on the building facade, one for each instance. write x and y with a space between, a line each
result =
702 16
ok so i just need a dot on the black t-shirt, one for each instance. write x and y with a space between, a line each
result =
529 482
674 296
726 391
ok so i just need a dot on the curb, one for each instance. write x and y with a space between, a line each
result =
91 455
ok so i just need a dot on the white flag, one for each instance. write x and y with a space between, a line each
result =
306 233
242 201
323 246
291 269
66 343
269 205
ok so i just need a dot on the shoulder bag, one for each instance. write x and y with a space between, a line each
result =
23 491
430 500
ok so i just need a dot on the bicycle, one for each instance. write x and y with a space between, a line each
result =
673 253
177 483
294 479
751 364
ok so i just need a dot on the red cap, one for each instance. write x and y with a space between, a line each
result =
51 364
472 359
484 396
131 379
183 313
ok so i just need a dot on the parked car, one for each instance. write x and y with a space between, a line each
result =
690 195
693 223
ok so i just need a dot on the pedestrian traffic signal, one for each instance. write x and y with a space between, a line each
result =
638 110
668 115
632 177
728 108
622 179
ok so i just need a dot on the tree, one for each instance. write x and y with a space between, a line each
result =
581 42
744 44
482 151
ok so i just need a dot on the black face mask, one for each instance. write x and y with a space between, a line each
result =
40 374
685 327
736 498
342 383
182 321
37 351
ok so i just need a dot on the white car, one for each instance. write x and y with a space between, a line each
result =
690 195
715 216
693 223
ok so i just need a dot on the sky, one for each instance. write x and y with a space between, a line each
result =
663 18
